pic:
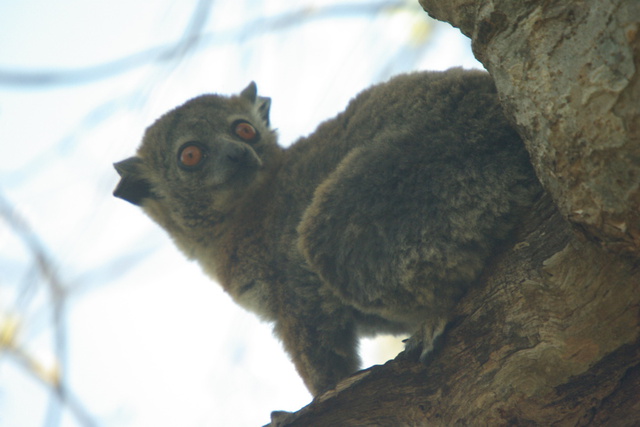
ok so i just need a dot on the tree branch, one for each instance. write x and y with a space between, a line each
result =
193 38
551 336
56 380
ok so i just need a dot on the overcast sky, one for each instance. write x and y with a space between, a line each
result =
143 337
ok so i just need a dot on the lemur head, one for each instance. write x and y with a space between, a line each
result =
198 161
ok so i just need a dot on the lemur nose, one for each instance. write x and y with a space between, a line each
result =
235 152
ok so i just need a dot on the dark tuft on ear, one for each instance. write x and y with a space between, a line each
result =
132 187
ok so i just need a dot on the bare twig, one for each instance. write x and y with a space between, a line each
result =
192 41
57 291
64 395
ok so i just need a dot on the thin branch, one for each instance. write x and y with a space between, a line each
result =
63 394
46 267
192 41
42 259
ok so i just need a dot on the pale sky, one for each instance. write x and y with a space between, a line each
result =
150 340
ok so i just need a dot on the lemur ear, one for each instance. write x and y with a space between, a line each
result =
132 186
262 103
250 92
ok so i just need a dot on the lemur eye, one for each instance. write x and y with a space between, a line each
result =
245 131
190 155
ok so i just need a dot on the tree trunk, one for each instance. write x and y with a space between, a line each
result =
552 337
567 74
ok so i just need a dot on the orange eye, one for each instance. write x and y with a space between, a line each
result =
191 155
245 131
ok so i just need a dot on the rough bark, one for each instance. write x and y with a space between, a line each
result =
552 336
566 71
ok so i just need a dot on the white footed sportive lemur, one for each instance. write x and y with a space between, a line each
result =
378 222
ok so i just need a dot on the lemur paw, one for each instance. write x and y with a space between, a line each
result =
421 345
280 418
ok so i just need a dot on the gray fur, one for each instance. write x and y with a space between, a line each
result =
377 222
